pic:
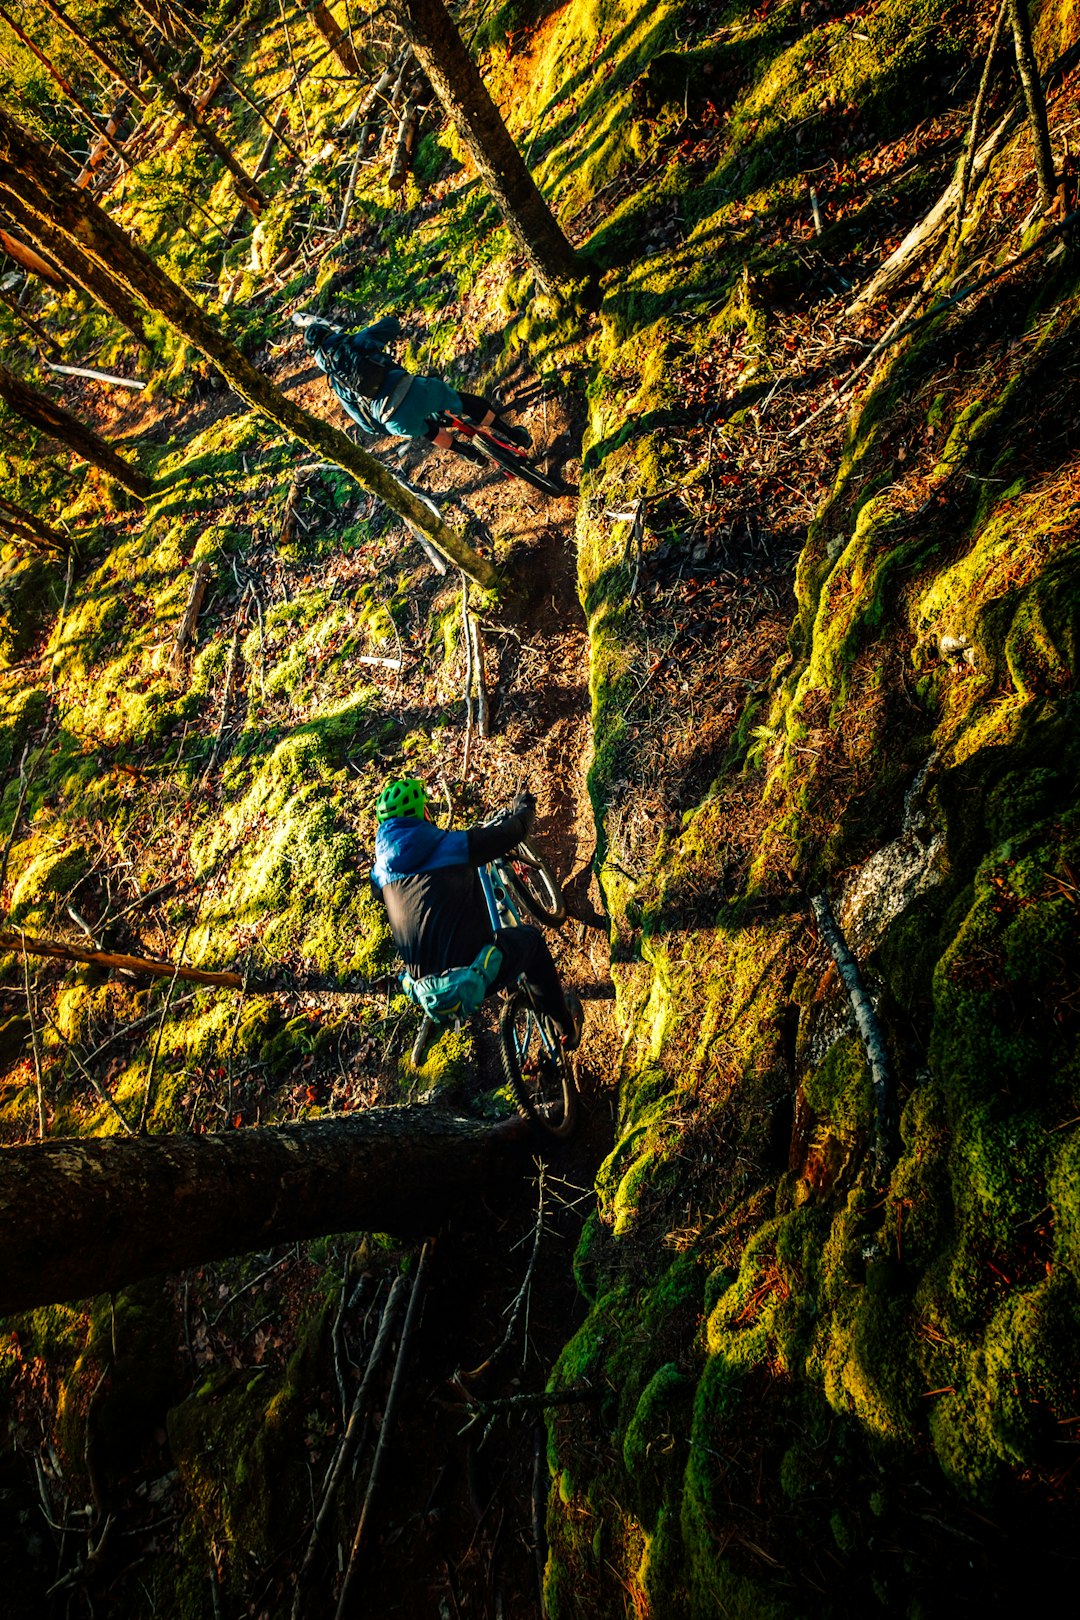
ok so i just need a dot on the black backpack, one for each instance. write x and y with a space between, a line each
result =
357 368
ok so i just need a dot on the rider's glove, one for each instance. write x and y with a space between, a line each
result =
525 806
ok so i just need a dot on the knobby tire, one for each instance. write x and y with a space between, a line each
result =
517 466
544 1090
534 885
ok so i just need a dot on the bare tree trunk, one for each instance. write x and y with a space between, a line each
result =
28 174
246 189
96 50
1034 99
456 81
87 1216
25 526
338 38
41 412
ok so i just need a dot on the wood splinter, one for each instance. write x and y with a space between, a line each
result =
884 1138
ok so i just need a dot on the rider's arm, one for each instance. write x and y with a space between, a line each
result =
500 837
380 332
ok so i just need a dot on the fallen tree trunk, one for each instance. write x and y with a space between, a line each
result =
84 1217
42 412
27 945
25 526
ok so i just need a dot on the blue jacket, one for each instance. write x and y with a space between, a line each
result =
427 878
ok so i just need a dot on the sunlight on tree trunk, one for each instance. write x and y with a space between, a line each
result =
1034 99
456 81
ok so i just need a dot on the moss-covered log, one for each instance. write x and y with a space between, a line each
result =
25 526
83 1217
28 175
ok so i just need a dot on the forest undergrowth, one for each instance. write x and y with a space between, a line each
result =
804 622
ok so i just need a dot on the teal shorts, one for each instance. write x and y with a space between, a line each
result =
425 399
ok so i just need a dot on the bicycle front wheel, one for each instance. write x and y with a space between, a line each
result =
517 465
533 885
539 1072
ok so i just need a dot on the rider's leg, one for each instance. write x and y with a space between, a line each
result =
524 950
484 414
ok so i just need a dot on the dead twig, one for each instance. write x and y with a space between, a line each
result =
466 642
522 1293
350 1440
389 1413
186 630
37 1054
86 1073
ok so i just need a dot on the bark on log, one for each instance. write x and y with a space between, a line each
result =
82 1217
30 946
54 420
77 270
28 174
456 81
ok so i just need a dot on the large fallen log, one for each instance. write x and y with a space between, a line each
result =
86 1216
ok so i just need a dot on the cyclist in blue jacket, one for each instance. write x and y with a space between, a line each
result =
427 878
382 397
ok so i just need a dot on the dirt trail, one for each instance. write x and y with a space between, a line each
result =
455 1530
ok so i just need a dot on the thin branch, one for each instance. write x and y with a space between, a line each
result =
884 1145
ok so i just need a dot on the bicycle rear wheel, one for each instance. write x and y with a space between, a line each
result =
541 1079
533 885
517 465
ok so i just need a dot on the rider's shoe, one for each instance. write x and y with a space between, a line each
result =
571 1040
515 435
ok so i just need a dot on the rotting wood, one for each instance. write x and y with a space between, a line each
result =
884 1144
412 1316
186 632
95 376
351 1439
404 146
29 945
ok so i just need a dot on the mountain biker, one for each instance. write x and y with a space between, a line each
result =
427 878
382 397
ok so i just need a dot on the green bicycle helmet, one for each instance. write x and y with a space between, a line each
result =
405 797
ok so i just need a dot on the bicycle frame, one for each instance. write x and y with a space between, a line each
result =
504 914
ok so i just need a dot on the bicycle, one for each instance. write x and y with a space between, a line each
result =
535 1064
511 460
